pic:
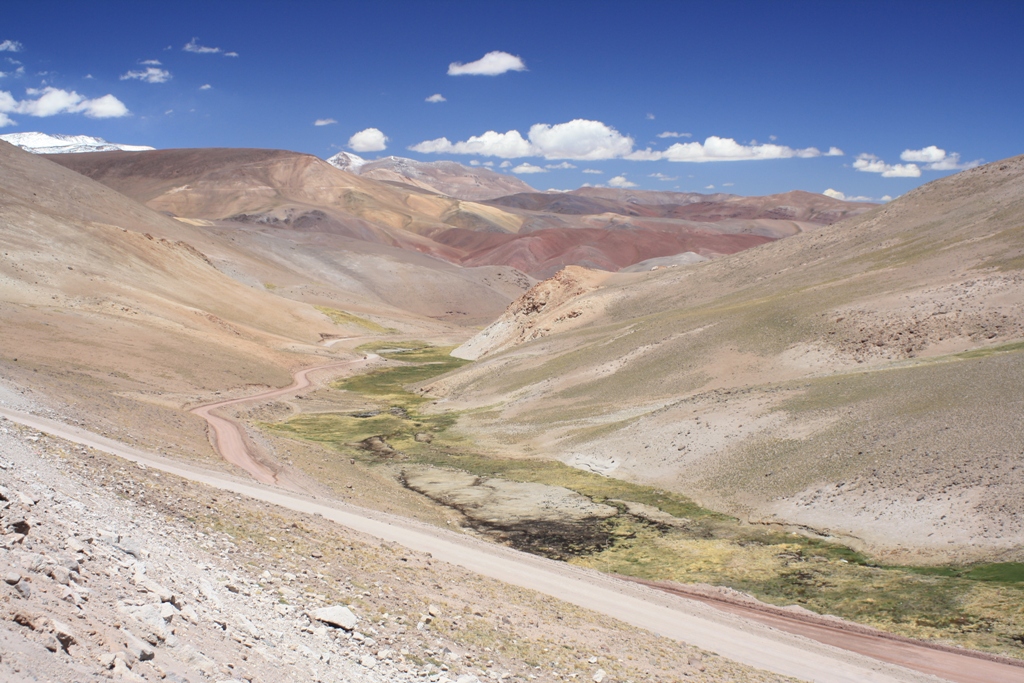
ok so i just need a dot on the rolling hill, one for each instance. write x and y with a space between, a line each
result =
859 381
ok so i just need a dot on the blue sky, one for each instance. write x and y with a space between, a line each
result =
936 83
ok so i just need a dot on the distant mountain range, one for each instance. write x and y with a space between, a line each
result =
43 143
473 183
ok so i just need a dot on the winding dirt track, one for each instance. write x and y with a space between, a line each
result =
229 437
804 649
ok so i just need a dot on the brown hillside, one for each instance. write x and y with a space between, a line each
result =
861 379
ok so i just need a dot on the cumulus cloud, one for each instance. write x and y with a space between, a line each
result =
150 75
585 140
11 46
6 120
563 165
663 177
832 151
577 139
593 171
51 101
435 98
324 122
368 140
650 116
151 62
505 164
673 134
206 86
715 148
869 163
620 181
836 194
886 198
487 163
194 46
528 168
510 145
491 64
929 154
937 159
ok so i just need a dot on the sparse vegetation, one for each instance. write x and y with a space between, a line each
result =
344 318
972 606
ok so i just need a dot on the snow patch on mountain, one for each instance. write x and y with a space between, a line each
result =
347 162
43 143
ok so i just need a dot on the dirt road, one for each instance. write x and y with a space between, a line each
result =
939 660
739 639
229 437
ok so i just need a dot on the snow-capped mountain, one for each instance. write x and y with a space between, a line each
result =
347 162
43 143
444 177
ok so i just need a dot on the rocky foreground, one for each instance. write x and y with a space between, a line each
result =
113 571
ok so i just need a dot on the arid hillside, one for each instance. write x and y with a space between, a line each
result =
129 315
860 381
296 196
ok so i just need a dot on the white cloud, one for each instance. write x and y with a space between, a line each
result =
6 120
230 54
491 64
663 177
151 62
715 148
869 163
51 101
928 155
577 139
150 75
886 198
773 138
836 194
474 162
673 134
563 165
368 140
505 164
528 168
324 122
435 98
728 184
206 86
833 152
650 117
620 181
194 46
937 159
11 46
510 145
709 187
593 171
487 163
586 140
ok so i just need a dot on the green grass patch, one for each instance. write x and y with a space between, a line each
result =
997 572
418 362
345 318
991 350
